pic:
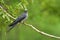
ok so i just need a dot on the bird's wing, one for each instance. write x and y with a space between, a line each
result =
19 19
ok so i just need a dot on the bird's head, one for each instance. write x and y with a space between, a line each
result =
25 10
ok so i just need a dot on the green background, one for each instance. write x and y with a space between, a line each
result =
43 14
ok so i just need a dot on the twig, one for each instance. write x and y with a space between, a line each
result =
41 32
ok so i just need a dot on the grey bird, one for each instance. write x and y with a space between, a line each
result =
20 19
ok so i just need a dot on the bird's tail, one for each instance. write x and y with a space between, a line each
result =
10 28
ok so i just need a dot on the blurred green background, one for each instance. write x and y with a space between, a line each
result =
43 14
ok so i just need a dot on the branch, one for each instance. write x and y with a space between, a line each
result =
41 32
7 13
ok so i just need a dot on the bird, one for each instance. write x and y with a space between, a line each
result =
19 19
